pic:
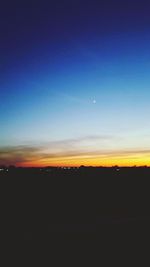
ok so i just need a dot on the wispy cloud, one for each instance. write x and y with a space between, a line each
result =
72 149
74 98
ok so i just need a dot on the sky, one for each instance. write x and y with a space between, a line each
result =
75 83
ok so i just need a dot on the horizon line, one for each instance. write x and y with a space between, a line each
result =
81 166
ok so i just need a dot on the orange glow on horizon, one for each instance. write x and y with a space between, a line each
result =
95 161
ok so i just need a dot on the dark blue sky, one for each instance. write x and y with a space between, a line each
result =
70 70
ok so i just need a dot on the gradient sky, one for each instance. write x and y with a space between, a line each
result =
75 83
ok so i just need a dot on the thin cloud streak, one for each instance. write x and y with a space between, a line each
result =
65 150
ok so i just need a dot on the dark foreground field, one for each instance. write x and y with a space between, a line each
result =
46 204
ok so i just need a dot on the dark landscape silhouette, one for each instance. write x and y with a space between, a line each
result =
41 203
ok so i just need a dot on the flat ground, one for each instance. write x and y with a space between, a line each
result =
41 204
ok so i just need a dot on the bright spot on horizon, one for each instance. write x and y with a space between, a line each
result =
94 101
